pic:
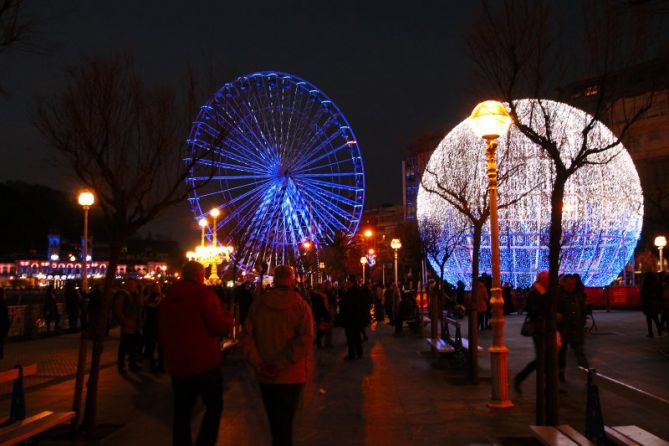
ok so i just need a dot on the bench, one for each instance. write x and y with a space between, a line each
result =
562 435
16 428
620 435
459 343
439 346
632 436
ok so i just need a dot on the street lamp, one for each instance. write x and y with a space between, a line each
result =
660 243
86 200
490 120
213 277
363 262
203 225
395 244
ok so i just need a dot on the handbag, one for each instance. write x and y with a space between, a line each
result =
528 327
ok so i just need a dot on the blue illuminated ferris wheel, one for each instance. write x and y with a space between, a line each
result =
281 162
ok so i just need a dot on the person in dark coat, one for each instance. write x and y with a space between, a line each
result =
571 322
321 313
51 311
244 297
508 299
151 309
72 305
368 300
537 310
651 302
351 309
4 322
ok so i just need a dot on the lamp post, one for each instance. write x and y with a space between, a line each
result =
203 225
363 262
395 244
660 243
490 120
213 277
86 200
306 247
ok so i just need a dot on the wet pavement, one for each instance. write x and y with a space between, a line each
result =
398 394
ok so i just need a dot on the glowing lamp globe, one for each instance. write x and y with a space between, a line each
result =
660 241
363 260
490 120
202 222
86 199
215 212
395 243
602 208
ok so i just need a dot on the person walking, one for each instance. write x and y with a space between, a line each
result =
151 332
651 302
571 322
72 306
321 313
351 309
536 307
191 322
482 303
128 313
51 311
277 341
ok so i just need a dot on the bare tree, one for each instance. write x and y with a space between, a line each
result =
124 140
521 50
438 245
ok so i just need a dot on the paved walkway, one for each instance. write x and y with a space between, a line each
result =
394 396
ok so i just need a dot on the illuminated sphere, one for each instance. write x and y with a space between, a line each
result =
602 209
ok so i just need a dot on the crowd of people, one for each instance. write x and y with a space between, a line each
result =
179 329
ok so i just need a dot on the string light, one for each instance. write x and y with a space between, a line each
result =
602 209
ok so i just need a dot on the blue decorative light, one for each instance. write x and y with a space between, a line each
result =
286 167
602 209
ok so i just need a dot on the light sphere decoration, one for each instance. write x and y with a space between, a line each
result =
602 208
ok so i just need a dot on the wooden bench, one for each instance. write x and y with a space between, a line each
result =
439 346
620 435
562 435
632 436
459 343
16 428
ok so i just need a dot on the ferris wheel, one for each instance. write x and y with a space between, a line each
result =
281 162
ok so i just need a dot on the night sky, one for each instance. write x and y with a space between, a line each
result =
397 70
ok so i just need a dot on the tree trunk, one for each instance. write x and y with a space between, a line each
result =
98 334
473 328
554 246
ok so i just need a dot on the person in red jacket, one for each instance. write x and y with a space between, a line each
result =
191 322
277 340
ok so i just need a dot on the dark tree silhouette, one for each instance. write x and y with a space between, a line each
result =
521 50
124 140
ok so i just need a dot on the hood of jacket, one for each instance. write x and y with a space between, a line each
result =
280 298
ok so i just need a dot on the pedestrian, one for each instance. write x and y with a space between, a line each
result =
665 303
460 293
72 305
277 341
351 312
128 313
390 297
537 309
5 322
508 298
367 302
482 303
50 309
191 323
651 302
379 305
571 322
321 313
331 294
151 331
